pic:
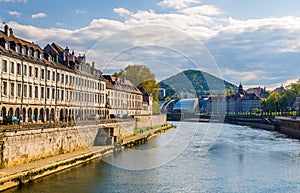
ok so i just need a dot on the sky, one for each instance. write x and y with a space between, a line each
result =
253 42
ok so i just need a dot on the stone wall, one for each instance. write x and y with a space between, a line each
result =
150 121
21 146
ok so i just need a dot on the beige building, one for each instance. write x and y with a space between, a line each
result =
123 97
50 84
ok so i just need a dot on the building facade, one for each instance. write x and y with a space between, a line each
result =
49 84
242 102
123 97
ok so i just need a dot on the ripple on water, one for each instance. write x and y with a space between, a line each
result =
242 159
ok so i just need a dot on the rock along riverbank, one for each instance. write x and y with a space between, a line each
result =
18 175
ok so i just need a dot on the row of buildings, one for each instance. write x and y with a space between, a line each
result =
54 84
239 102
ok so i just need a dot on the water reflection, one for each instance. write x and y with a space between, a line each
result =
241 160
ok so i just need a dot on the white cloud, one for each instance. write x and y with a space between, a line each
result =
14 1
80 11
14 13
122 12
177 4
240 76
202 10
38 15
247 50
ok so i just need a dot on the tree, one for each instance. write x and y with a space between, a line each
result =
281 101
141 76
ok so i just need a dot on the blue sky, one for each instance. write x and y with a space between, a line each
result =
256 42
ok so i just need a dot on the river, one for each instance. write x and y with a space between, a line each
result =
193 157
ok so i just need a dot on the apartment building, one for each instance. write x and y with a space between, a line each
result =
123 97
50 84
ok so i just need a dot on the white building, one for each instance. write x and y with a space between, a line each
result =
123 97
50 84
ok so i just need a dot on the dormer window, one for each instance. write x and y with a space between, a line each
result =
29 52
24 51
18 49
41 56
35 54
6 46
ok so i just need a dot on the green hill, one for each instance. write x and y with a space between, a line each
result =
195 82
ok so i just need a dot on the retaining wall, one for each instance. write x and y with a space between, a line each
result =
21 146
149 121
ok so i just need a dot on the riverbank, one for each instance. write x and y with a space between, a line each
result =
18 175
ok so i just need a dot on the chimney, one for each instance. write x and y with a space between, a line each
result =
93 68
11 33
6 30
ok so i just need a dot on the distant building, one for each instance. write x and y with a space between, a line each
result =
280 89
296 105
258 91
123 97
216 105
147 102
241 102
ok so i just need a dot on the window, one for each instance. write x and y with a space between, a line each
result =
4 66
36 92
19 69
42 92
67 79
62 78
53 76
36 72
42 74
48 93
57 79
30 71
58 94
12 89
25 70
35 54
48 74
25 91
30 91
4 88
53 93
19 90
62 94
12 68
7 46
24 51
18 49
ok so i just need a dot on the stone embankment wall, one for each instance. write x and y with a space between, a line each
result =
150 121
21 146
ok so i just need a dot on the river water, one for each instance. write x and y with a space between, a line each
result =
193 157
